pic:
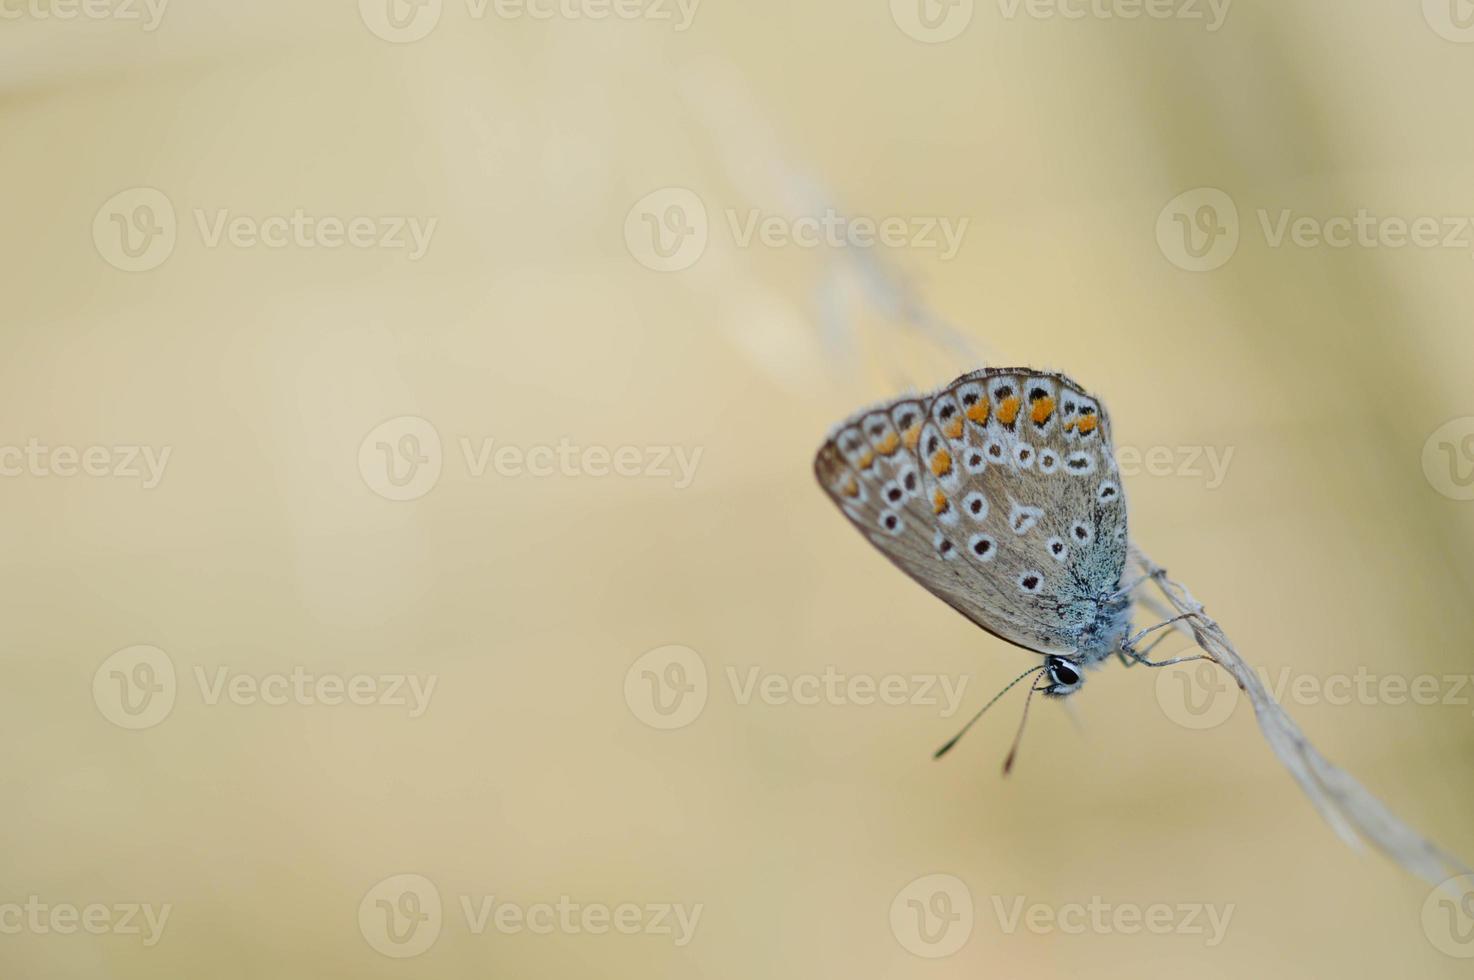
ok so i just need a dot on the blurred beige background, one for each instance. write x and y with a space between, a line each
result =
268 461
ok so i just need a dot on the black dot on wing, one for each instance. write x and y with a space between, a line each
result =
1081 532
975 459
907 420
1031 582
970 399
1037 393
1057 547
910 480
946 412
1004 391
946 546
982 546
891 521
893 494
931 445
996 451
976 505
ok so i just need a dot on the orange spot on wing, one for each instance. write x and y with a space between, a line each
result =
954 428
1008 409
912 436
979 412
941 463
864 461
939 502
1043 409
851 488
889 444
1087 424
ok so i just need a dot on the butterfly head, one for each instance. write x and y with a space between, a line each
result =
1064 677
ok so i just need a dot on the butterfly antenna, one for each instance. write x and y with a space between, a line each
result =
1011 684
1019 737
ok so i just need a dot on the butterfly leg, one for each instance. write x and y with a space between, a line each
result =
1129 644
1140 659
1133 657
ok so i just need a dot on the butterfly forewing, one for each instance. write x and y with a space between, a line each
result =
998 493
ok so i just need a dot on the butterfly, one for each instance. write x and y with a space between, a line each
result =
1000 494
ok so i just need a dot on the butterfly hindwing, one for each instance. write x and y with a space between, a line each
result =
998 493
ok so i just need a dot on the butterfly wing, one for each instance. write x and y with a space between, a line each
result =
998 493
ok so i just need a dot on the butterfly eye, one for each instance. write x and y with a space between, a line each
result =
1064 675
